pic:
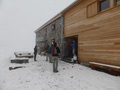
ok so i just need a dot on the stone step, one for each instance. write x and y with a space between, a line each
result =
20 61
69 60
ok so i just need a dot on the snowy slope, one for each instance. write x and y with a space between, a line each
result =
4 59
39 76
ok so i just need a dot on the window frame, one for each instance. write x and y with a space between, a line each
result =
53 26
99 5
115 2
111 6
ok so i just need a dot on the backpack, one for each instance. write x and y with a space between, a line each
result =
54 51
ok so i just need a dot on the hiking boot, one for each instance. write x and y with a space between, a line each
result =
55 71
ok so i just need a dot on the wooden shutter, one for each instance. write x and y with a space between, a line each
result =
92 9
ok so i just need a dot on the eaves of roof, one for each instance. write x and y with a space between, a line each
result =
58 15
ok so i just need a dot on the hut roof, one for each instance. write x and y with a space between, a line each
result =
58 15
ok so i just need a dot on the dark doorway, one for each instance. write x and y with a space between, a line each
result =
68 47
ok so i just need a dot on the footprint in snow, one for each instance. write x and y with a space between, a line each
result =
63 68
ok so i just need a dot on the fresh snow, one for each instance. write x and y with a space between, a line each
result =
39 76
23 53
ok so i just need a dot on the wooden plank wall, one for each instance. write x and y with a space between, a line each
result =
98 36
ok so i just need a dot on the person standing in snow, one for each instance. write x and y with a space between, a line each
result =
55 52
48 53
35 52
52 45
74 47
69 49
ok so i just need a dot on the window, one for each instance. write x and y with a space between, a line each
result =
104 4
53 26
117 2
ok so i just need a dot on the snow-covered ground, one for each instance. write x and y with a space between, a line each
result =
39 76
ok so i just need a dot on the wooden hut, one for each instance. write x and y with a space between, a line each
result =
96 26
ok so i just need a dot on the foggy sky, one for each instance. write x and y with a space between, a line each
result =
20 18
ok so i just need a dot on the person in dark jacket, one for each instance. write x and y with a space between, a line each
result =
74 47
69 49
55 52
48 53
52 45
35 53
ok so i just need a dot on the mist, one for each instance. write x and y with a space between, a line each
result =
20 18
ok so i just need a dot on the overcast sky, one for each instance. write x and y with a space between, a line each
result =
20 18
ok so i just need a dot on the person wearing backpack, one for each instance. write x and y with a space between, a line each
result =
52 45
74 48
55 52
